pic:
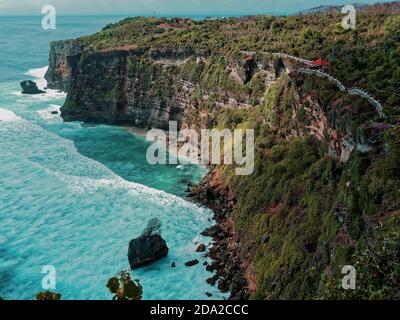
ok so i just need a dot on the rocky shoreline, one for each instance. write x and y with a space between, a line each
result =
229 274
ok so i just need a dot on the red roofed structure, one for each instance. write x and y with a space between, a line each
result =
320 62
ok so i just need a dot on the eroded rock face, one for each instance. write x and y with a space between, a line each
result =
145 250
30 87
142 87
117 87
63 60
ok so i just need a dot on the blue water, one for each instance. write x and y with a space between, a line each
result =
73 196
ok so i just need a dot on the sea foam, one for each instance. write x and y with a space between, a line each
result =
60 208
47 114
38 73
50 94
7 115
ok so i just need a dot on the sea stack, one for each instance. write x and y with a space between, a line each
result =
146 249
30 87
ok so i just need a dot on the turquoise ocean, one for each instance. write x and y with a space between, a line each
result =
73 196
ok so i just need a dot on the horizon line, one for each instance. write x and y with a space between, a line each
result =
150 14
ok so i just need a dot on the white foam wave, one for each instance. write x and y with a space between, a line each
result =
49 113
60 158
7 115
78 215
38 72
41 82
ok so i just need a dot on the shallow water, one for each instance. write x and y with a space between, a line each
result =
73 196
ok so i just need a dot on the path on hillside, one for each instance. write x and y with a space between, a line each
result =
352 91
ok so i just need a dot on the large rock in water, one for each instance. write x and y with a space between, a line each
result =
30 87
146 249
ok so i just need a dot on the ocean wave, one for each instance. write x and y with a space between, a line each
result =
48 113
41 82
38 72
60 158
7 115
61 208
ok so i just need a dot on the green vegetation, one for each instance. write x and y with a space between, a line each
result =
124 288
211 75
377 265
304 214
368 57
47 295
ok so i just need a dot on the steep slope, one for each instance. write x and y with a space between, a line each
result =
304 214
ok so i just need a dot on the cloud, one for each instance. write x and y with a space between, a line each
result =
133 7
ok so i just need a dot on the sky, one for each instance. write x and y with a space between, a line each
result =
167 7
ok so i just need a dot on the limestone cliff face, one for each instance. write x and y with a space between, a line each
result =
117 87
146 88
63 60
113 86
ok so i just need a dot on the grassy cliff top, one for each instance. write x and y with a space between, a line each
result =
306 36
367 57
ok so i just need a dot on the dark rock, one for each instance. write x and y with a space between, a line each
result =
212 280
240 295
235 287
191 263
208 294
30 87
201 247
211 231
146 249
223 286
226 264
205 263
173 265
54 112
221 235
215 264
209 194
210 268
237 278
221 272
